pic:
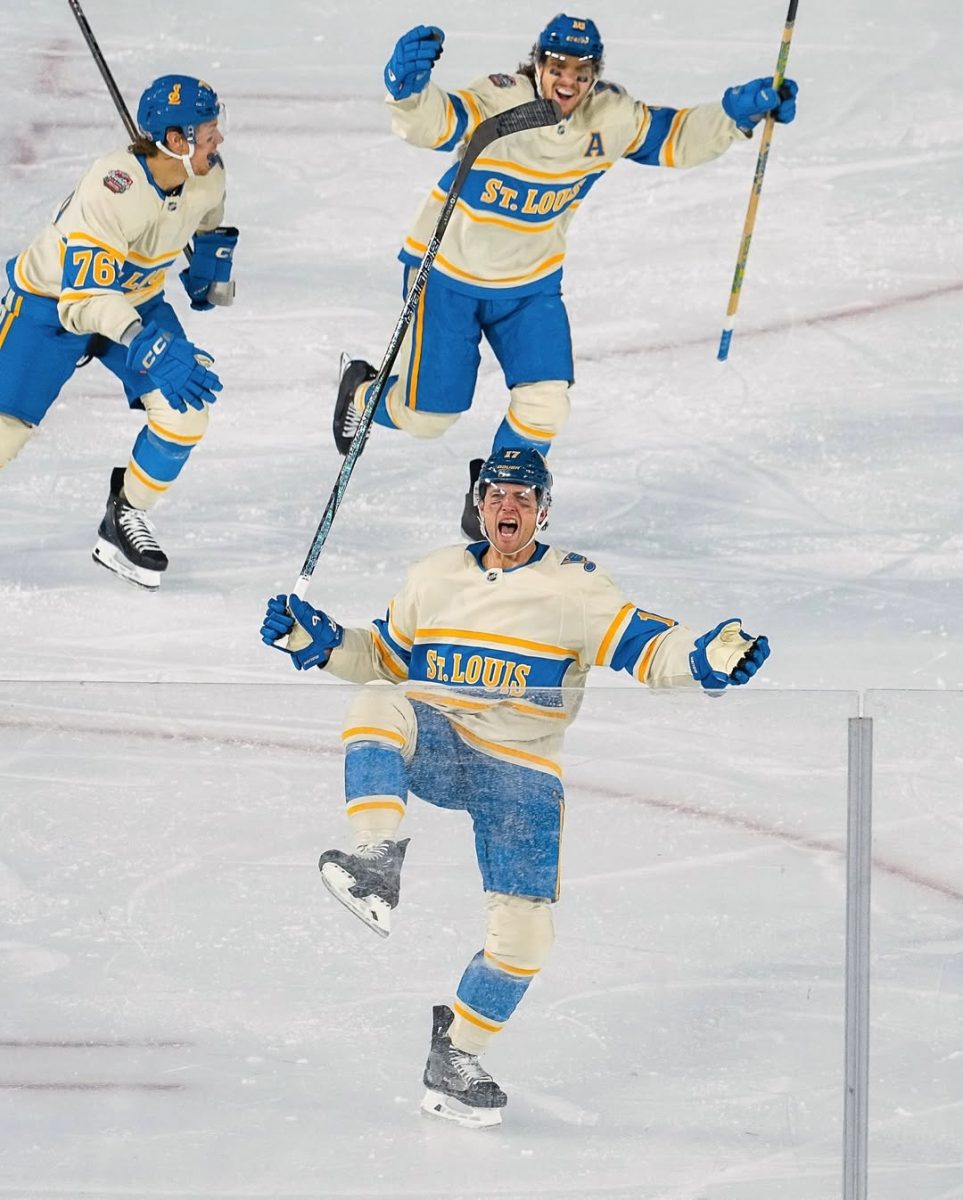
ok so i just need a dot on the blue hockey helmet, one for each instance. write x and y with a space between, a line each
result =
177 102
521 465
575 36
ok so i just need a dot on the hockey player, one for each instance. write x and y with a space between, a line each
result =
499 270
92 284
490 645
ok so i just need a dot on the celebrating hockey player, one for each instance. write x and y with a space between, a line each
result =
91 285
498 272
491 644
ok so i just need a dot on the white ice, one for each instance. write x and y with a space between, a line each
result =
183 1009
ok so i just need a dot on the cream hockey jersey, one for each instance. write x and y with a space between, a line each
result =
505 654
509 227
108 248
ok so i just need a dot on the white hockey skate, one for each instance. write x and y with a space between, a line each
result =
459 1088
367 883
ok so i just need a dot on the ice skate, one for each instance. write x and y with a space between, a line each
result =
126 543
459 1088
470 521
354 372
368 882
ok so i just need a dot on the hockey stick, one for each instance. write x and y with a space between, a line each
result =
101 62
533 115
750 221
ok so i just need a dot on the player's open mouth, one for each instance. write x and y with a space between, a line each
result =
507 528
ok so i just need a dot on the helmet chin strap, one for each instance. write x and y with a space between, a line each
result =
540 524
183 159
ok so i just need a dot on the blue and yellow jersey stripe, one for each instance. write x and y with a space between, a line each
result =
656 144
9 311
513 754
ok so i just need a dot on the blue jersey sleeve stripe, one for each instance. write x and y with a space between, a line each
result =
395 657
399 638
459 113
640 631
660 126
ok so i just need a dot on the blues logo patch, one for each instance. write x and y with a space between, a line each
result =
502 80
117 181
586 564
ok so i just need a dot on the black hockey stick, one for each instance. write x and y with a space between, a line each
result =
101 62
533 115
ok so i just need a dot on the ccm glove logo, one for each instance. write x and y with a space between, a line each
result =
154 353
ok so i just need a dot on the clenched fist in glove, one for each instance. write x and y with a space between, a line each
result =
748 103
311 634
176 367
415 53
211 263
727 655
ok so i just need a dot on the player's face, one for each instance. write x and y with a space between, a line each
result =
567 80
209 137
510 513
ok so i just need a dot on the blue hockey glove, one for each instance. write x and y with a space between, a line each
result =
176 367
212 262
415 53
748 103
727 655
786 111
311 634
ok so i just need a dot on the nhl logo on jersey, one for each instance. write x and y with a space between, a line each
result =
117 181
502 80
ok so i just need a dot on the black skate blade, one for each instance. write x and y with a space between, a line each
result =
372 910
447 1108
107 555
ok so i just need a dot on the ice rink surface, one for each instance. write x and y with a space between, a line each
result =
183 1010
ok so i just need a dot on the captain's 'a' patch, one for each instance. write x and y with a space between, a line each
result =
503 80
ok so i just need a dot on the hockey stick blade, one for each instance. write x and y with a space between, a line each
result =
534 115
